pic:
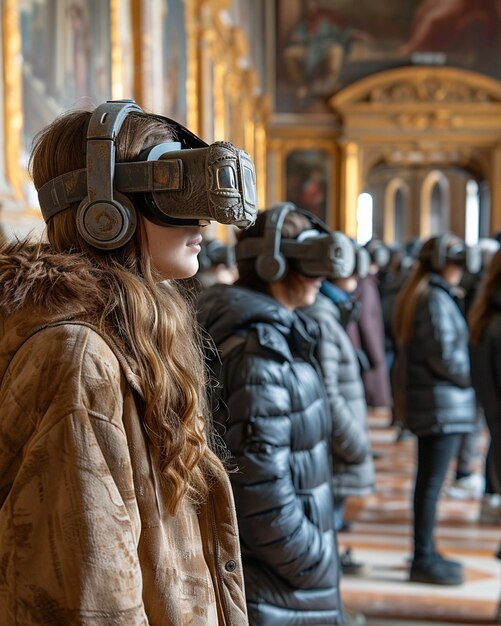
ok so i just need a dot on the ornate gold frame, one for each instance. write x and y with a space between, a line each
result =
282 141
117 68
280 149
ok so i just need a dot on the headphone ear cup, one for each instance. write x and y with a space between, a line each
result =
107 224
270 267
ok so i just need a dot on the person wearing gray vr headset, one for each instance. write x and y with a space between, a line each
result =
272 411
433 388
352 465
106 448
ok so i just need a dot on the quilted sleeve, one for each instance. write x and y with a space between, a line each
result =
69 524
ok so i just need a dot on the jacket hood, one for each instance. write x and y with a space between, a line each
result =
227 310
39 287
224 309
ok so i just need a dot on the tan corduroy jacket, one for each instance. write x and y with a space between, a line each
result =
84 534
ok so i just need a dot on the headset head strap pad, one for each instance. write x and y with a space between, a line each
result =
105 219
439 254
271 264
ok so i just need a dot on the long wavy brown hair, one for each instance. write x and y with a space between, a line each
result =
151 318
416 285
482 308
405 307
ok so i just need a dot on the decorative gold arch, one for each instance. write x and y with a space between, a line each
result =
431 116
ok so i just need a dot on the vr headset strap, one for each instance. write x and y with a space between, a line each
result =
103 128
248 248
251 247
307 249
142 176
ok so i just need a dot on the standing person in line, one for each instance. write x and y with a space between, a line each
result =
275 419
485 340
468 483
391 279
114 507
435 397
353 467
368 332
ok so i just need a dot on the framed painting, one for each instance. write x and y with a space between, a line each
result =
66 58
306 176
320 46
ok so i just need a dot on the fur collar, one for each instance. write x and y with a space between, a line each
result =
40 287
34 276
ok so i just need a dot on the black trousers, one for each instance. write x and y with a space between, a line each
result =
434 453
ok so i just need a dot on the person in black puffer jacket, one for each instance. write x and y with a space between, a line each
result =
273 414
353 467
485 340
434 393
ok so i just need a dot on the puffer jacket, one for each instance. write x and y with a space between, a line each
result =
368 335
274 418
353 467
486 376
85 537
432 370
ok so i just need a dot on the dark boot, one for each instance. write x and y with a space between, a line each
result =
435 570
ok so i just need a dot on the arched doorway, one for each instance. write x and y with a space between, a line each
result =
427 120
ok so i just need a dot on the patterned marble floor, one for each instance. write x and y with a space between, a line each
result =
381 537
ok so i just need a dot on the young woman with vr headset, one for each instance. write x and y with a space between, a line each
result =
115 507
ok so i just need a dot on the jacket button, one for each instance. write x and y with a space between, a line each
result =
230 566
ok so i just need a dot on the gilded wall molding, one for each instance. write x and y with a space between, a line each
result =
229 105
13 109
431 90
192 91
117 69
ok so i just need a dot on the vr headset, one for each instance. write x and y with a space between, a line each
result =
214 253
380 253
175 183
439 251
362 260
316 252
